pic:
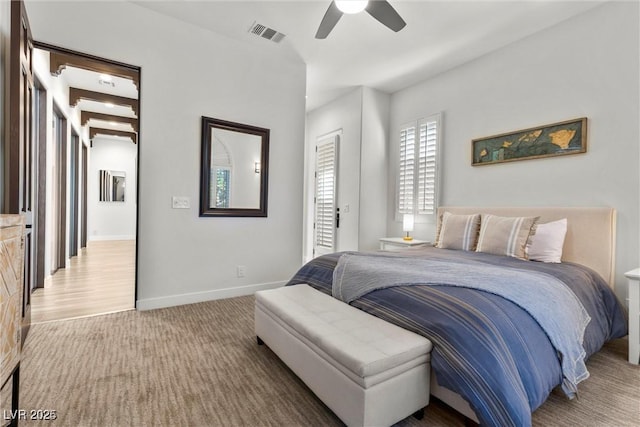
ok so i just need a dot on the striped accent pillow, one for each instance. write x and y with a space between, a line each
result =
506 235
458 231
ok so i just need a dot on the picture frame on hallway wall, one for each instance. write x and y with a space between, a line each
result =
557 139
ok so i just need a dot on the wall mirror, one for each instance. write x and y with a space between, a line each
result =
112 186
234 169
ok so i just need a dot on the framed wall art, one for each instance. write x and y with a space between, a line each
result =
557 139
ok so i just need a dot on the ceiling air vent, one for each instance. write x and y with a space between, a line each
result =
266 32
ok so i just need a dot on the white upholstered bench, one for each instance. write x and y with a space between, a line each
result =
368 371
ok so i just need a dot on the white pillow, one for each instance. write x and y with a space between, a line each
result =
546 245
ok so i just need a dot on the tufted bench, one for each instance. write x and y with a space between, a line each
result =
368 371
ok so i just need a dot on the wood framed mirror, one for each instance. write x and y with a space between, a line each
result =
234 169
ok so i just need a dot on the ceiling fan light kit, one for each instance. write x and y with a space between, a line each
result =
379 9
351 6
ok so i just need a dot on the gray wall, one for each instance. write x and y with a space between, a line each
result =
111 220
586 66
188 72
344 113
363 117
373 168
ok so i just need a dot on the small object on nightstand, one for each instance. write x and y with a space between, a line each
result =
407 226
400 243
633 278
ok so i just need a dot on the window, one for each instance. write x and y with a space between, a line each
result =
418 168
220 192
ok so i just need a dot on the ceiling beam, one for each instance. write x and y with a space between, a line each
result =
58 61
75 95
112 132
85 116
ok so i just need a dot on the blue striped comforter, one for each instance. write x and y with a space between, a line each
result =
486 348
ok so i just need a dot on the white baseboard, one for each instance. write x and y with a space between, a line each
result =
194 297
121 237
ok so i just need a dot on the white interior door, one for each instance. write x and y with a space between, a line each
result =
326 219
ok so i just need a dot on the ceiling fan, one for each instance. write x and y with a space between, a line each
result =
379 9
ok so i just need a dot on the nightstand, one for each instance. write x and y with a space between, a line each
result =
633 277
398 243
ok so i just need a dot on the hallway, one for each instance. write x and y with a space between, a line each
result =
101 279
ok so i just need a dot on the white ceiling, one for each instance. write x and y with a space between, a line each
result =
360 51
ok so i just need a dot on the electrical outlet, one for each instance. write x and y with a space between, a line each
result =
180 202
241 270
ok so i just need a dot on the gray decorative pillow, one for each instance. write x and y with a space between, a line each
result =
458 231
506 235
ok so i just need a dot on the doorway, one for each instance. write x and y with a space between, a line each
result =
74 193
89 264
59 168
40 135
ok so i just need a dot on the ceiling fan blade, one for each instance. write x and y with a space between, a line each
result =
331 18
386 14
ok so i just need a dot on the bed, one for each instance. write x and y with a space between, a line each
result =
505 331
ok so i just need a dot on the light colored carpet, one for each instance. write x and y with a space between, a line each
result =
199 365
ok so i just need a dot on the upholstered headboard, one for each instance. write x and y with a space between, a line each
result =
591 232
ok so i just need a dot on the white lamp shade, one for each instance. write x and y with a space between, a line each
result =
351 6
407 222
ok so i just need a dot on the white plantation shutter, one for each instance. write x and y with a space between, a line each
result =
417 169
427 167
406 170
325 200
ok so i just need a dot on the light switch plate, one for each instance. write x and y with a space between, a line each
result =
180 202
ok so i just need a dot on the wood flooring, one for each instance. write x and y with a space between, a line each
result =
101 279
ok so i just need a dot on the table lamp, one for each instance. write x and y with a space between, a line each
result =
407 225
